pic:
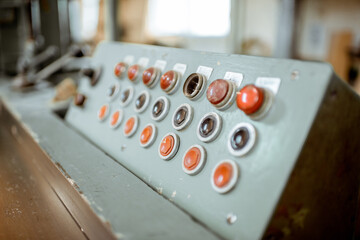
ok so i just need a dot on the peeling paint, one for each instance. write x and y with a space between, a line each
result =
159 190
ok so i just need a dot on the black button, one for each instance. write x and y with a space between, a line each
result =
125 95
158 108
111 91
239 138
180 116
140 101
89 72
207 126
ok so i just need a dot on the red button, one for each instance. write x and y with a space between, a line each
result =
223 175
167 145
149 75
133 72
192 158
217 91
250 99
119 69
168 80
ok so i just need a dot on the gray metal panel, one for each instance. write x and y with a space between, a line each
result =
133 210
263 172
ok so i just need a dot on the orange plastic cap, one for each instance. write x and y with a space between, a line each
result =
102 111
115 118
129 125
146 134
192 158
167 145
223 174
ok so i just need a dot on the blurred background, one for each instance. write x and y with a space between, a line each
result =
317 30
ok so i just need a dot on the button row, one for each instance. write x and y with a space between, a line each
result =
225 173
240 141
254 101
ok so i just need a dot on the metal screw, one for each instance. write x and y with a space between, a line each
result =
231 218
295 75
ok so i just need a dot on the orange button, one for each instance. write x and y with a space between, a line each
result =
103 111
148 75
129 125
168 80
119 69
146 134
133 72
192 158
223 174
115 118
167 145
250 99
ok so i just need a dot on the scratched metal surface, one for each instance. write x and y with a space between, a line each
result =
263 172
120 199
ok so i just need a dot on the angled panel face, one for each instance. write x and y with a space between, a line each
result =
235 204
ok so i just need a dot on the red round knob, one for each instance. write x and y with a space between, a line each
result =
217 91
133 72
168 80
250 99
119 69
148 75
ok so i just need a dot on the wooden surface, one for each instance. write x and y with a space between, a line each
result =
339 53
31 207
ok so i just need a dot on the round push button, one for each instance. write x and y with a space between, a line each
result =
142 101
194 86
150 76
169 81
113 91
250 98
131 126
119 69
194 160
79 99
148 135
160 108
103 112
126 96
169 146
133 72
209 127
221 93
254 101
224 176
242 139
182 116
116 118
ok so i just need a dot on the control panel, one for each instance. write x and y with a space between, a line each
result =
218 135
